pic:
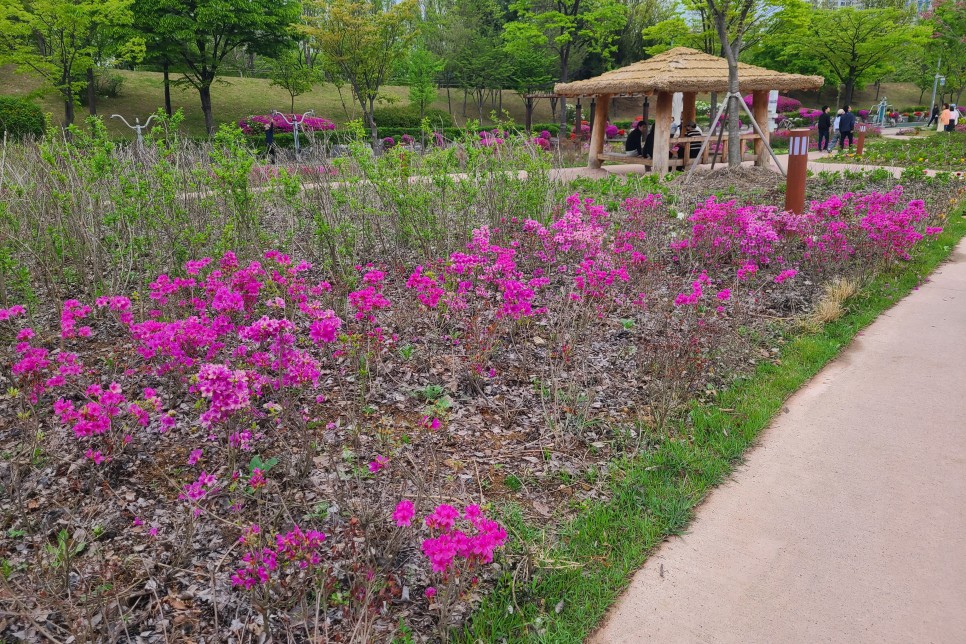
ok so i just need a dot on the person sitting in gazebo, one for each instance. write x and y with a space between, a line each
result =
691 130
633 145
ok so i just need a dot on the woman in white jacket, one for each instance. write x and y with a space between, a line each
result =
835 131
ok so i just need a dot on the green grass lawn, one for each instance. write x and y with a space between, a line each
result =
936 151
581 570
234 98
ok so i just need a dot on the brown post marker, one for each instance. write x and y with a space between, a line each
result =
759 108
598 131
662 132
860 142
797 166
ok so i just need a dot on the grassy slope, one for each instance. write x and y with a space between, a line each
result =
592 559
236 98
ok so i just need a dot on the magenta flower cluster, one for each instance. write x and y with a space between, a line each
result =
294 551
259 123
452 545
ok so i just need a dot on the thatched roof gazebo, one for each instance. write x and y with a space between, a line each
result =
679 70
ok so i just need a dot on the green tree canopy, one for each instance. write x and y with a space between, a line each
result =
61 40
290 72
855 46
422 68
362 42
568 29
203 33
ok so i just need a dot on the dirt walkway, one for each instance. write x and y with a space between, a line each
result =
566 174
848 521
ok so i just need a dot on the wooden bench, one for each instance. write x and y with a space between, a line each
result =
688 142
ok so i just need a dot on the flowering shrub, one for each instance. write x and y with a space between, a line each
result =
785 104
266 412
611 131
260 123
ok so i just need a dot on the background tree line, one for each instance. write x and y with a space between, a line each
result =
471 49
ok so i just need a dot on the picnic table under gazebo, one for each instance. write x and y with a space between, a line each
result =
689 72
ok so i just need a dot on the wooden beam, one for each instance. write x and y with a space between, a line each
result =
759 108
690 112
662 132
598 132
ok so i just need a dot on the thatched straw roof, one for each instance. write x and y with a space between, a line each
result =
684 70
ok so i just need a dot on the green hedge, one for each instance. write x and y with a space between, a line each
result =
20 117
407 116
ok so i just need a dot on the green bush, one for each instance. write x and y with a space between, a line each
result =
20 117
108 84
407 116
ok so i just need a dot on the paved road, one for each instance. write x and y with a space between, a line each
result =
848 521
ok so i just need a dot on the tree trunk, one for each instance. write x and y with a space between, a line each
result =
714 106
922 92
449 101
370 117
293 103
849 90
69 112
167 88
464 102
564 77
734 144
91 92
730 50
205 92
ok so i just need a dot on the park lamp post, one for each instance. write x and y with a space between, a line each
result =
137 127
295 122
935 82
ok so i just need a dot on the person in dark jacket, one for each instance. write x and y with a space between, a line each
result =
846 127
648 149
935 115
270 142
824 128
633 146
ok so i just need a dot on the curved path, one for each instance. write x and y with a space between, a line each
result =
848 521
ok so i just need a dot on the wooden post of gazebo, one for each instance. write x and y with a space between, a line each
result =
578 120
759 107
690 112
598 132
662 131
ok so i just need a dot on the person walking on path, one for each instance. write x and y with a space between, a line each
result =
835 130
633 146
824 125
846 126
944 118
270 143
953 118
934 117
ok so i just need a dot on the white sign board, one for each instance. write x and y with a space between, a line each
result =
772 109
